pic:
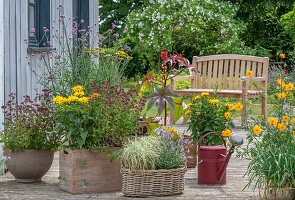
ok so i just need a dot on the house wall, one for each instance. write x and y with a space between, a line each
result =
15 73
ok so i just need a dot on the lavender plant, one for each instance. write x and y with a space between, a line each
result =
30 124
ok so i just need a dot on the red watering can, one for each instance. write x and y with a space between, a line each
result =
213 160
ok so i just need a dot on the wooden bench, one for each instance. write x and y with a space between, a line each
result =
228 73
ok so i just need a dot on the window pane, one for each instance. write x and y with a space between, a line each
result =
31 19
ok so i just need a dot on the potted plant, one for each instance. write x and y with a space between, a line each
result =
29 137
271 146
154 166
96 123
210 115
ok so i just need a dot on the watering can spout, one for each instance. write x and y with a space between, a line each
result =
235 140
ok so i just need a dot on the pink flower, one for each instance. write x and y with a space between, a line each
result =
33 30
175 70
286 71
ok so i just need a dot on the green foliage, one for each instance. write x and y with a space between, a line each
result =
288 22
102 120
209 115
191 27
264 32
30 124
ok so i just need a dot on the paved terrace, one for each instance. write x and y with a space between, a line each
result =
48 188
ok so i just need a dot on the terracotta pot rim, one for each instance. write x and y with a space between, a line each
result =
28 150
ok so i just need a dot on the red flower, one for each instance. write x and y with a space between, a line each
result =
286 71
164 55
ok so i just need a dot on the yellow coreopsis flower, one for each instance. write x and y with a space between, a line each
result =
272 121
190 104
187 112
280 81
204 94
282 95
293 120
59 100
293 133
226 133
72 98
290 86
83 99
281 126
227 115
249 73
79 93
230 107
282 55
95 95
196 97
257 130
239 107
78 88
286 118
213 101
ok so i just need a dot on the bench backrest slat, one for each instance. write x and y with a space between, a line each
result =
220 72
209 76
226 70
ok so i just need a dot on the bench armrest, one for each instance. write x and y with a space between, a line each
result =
181 77
244 78
174 78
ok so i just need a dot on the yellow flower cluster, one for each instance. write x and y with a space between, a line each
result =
213 101
204 94
282 126
78 91
282 95
196 97
121 55
226 133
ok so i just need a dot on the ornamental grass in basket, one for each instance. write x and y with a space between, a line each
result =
154 165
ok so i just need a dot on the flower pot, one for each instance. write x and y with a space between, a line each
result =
284 193
192 154
88 171
30 165
144 183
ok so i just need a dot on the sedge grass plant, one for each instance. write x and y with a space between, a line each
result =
140 154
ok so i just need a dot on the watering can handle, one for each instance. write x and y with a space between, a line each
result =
201 140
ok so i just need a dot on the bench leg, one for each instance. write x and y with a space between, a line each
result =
264 107
171 120
244 111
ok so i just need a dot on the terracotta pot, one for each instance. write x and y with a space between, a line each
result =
88 171
30 165
191 162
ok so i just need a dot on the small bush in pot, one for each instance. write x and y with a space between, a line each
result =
210 115
29 137
154 165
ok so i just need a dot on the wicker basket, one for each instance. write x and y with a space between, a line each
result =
138 183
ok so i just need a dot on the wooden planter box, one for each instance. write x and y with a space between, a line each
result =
87 171
191 162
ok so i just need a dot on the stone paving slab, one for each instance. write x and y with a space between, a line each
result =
48 188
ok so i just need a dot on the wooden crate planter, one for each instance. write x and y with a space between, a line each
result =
192 161
145 183
87 171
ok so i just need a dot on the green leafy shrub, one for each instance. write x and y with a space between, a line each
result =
30 124
103 118
192 27
210 115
